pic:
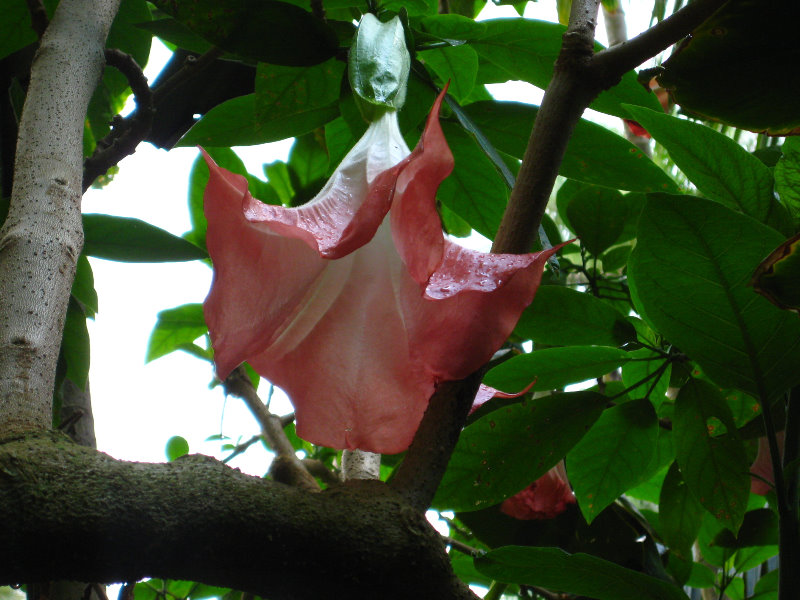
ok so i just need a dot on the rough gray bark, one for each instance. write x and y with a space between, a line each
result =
72 512
42 235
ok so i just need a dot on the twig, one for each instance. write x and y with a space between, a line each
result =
126 133
39 19
462 547
286 462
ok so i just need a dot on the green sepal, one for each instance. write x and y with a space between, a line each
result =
379 65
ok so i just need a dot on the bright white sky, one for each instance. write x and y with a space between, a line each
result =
138 407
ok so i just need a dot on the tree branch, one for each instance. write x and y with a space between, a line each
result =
90 517
42 236
291 469
126 133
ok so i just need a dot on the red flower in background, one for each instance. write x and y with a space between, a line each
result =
762 466
545 498
356 310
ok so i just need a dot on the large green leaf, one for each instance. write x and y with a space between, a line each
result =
554 368
265 30
509 448
719 167
613 456
710 453
175 329
474 190
737 67
582 320
597 215
75 345
689 275
526 49
288 92
234 123
131 240
456 64
679 513
83 286
581 574
594 154
641 371
787 176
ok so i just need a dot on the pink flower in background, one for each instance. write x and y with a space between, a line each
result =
545 498
355 303
762 466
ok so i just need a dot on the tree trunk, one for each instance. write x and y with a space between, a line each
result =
43 235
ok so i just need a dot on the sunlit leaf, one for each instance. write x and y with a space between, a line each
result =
175 328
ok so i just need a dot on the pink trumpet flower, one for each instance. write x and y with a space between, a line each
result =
545 498
355 303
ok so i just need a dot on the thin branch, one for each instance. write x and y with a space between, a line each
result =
39 19
126 133
462 547
626 56
286 463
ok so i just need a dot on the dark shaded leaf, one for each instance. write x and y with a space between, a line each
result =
507 449
777 277
787 176
759 528
735 67
597 215
555 570
713 462
679 513
264 30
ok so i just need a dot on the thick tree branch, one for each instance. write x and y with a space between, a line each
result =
42 236
76 513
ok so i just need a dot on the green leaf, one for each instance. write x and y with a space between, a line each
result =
265 30
308 158
456 64
581 574
638 371
597 215
689 275
594 154
748 43
715 467
582 320
613 456
289 92
787 176
719 167
767 586
175 328
234 123
131 240
75 345
83 286
509 448
554 368
526 50
176 33
176 447
474 190
777 277
679 513
759 528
